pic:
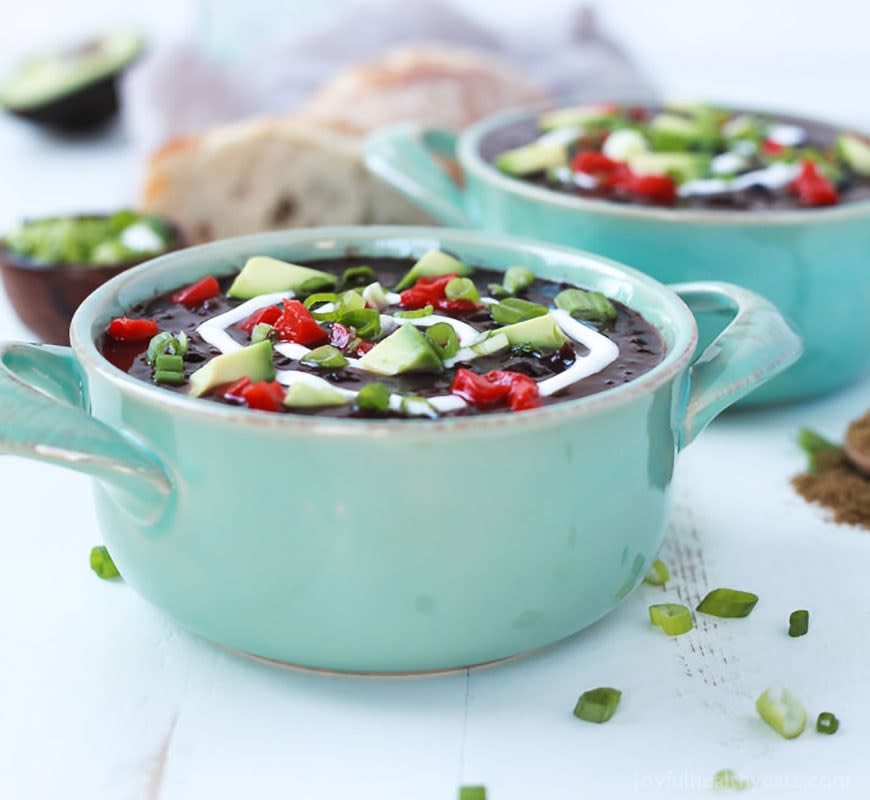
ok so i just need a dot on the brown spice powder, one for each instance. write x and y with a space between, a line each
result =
837 484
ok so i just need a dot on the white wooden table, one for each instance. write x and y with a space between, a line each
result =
101 696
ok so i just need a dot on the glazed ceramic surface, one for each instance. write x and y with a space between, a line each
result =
814 265
384 546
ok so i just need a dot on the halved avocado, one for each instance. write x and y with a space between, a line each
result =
73 89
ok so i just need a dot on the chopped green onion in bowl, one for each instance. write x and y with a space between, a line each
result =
597 705
728 603
586 305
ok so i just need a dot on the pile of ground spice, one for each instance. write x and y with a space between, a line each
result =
832 480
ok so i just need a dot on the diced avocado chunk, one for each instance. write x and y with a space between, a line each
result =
676 132
303 395
540 333
254 362
679 166
534 157
855 152
264 275
577 116
433 264
404 350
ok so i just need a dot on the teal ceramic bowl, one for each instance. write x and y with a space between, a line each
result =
814 264
384 546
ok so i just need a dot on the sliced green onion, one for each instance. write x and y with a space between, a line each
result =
597 705
168 363
102 564
365 321
798 623
444 338
827 723
314 284
514 309
472 793
375 296
413 406
169 376
517 279
498 291
175 344
658 574
494 343
814 446
415 313
374 397
728 603
780 709
261 332
674 619
325 357
462 289
357 276
727 779
323 298
585 305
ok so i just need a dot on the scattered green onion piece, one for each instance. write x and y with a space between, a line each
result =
517 279
514 309
365 321
798 623
102 564
375 296
585 305
168 363
414 406
658 574
444 338
169 376
181 343
780 709
374 397
597 705
462 289
415 313
674 619
357 276
493 343
728 603
261 332
325 357
472 793
322 298
314 284
814 446
166 342
827 723
727 779
498 291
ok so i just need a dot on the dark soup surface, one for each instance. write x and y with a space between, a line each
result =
327 338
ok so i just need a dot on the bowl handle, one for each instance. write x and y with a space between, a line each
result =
407 157
755 346
43 416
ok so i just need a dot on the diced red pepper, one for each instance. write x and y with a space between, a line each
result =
520 390
295 324
197 292
264 395
431 291
593 163
656 188
771 148
269 315
363 346
637 113
813 188
123 329
236 391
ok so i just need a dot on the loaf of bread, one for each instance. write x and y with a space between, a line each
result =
306 169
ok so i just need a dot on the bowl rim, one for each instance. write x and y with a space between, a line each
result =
372 239
468 153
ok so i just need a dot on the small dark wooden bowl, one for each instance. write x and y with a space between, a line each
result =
45 296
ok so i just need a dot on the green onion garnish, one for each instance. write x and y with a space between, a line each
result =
514 309
444 339
261 332
462 289
323 298
174 344
493 343
517 279
780 709
728 603
727 779
416 313
798 623
415 406
314 284
374 397
498 291
585 305
102 564
168 363
365 321
674 619
357 276
597 705
658 574
171 377
472 793
827 723
814 446
325 357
